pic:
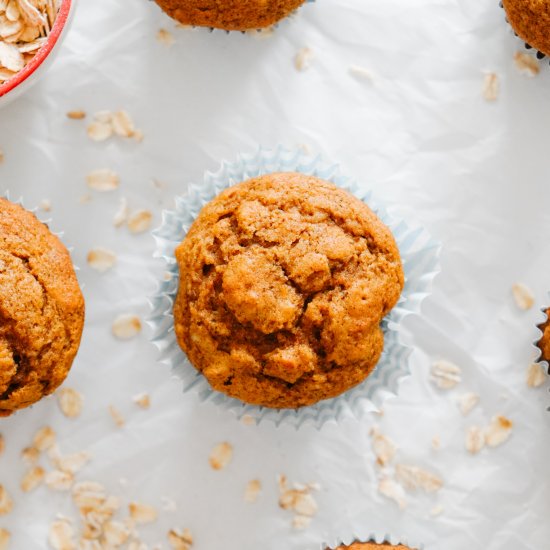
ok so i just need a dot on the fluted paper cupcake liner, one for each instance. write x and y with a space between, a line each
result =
378 539
526 46
251 31
419 254
541 320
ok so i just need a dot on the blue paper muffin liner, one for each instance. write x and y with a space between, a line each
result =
377 539
419 254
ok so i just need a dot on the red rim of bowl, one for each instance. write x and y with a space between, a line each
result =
43 52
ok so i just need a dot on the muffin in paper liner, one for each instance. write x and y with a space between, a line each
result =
247 31
372 538
542 319
420 258
527 47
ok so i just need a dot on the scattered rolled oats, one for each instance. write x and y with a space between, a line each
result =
140 221
302 60
4 539
59 481
76 115
45 205
44 438
475 439
24 28
527 64
103 180
2 444
392 490
180 540
523 296
2 157
88 495
252 491
536 375
126 326
413 478
32 479
61 536
142 513
70 402
384 448
247 420
118 419
6 503
30 455
101 259
445 375
123 125
221 456
165 37
121 215
301 522
361 73
499 430
72 463
467 402
490 87
142 400
99 131
115 533
298 499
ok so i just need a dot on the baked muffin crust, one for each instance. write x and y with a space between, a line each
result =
231 15
530 19
41 309
372 546
544 342
284 280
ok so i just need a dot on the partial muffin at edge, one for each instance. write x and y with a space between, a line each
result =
284 280
544 342
372 546
41 309
530 19
231 15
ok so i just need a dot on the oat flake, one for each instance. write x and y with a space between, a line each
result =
32 479
70 402
413 478
498 432
61 536
384 448
103 180
126 326
467 402
445 375
44 438
140 221
101 259
491 87
536 375
142 513
221 456
475 440
6 502
4 539
303 58
527 64
523 296
252 491
180 540
392 490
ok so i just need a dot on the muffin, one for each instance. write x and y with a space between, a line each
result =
373 546
544 342
41 307
530 20
284 281
230 15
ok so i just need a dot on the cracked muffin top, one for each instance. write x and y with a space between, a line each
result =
544 342
41 309
231 15
372 546
284 280
530 19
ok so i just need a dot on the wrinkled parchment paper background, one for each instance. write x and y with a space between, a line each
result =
474 173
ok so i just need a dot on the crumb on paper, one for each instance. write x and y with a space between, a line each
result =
527 64
523 296
115 533
436 443
361 73
59 481
247 420
70 402
299 500
142 400
142 513
121 215
221 456
30 455
164 36
536 375
140 221
101 259
389 488
437 510
302 60
32 479
45 205
475 440
499 431
72 463
5 537
61 535
76 115
6 502
253 490
44 438
384 448
413 478
2 157
99 131
117 417
445 375
103 180
180 539
467 402
126 326
491 87
2 444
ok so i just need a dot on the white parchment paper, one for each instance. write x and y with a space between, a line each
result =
474 173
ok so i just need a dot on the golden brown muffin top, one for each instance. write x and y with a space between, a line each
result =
531 21
284 280
231 15
41 309
372 546
544 342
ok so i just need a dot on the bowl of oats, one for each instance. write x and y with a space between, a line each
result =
30 34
